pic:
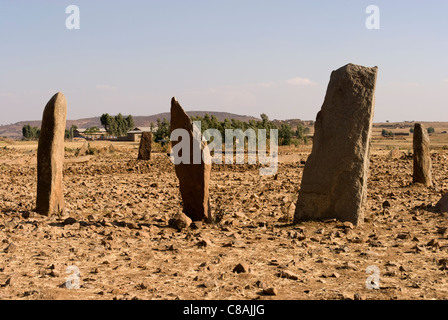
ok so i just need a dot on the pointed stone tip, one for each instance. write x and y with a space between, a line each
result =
59 95
59 98
175 104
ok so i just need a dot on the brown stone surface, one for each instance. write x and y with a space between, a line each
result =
334 183
193 178
50 157
144 152
422 156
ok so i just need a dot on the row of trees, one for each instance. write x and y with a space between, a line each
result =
117 125
30 133
285 132
387 133
33 133
430 130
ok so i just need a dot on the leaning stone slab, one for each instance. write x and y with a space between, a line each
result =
194 176
334 183
83 150
50 157
144 152
422 156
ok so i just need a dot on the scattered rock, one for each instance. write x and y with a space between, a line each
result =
270 291
12 247
10 281
357 296
69 221
242 268
180 221
442 205
288 275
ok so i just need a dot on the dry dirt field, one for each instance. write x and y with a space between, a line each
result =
119 239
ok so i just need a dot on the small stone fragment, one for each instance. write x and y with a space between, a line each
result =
288 275
180 221
270 291
242 268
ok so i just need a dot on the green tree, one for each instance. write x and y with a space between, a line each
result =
163 130
26 131
130 123
70 133
30 133
284 134
300 132
386 133
92 130
117 126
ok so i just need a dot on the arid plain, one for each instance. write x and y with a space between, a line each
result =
115 230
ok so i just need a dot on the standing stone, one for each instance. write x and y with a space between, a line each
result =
83 150
194 178
50 157
334 183
144 152
394 153
422 156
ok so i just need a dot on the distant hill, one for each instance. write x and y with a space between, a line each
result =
14 131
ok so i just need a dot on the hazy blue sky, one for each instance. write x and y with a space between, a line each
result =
241 56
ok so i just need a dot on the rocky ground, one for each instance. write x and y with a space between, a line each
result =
115 232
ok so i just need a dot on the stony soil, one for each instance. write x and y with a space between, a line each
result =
115 231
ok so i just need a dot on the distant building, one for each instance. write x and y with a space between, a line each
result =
136 134
401 133
101 134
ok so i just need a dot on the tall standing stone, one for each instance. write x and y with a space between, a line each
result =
144 152
194 176
334 183
50 157
422 156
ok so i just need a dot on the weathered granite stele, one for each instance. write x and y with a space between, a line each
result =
50 157
334 183
422 156
144 152
194 178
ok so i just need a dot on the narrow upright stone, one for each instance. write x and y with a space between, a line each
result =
422 156
50 157
334 183
194 176
144 152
